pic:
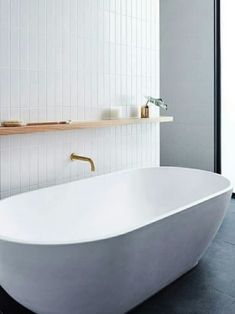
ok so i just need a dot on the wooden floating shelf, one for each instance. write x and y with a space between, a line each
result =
79 125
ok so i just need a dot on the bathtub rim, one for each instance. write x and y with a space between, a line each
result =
121 233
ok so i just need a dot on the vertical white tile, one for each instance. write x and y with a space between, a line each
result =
5 47
5 11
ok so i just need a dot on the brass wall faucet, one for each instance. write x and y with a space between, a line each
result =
82 158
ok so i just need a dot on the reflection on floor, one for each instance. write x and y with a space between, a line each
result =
207 289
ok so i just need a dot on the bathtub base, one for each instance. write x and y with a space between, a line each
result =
101 310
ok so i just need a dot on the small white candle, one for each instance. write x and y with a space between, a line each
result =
135 112
115 112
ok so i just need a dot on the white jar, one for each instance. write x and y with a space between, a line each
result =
135 111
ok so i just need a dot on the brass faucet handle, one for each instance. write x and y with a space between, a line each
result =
73 157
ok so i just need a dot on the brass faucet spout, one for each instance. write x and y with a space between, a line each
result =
83 158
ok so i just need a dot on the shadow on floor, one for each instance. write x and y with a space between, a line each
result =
208 289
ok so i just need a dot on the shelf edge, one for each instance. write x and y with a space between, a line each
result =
80 125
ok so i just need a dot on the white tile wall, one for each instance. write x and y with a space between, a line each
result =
70 59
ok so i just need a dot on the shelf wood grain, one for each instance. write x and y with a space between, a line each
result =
79 125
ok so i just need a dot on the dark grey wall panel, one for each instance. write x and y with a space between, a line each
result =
187 82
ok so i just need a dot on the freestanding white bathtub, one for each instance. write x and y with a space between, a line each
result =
105 244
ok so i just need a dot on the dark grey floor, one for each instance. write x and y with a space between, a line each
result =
207 289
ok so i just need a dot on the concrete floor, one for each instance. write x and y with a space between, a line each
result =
207 289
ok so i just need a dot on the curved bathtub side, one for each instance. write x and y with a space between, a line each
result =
113 275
